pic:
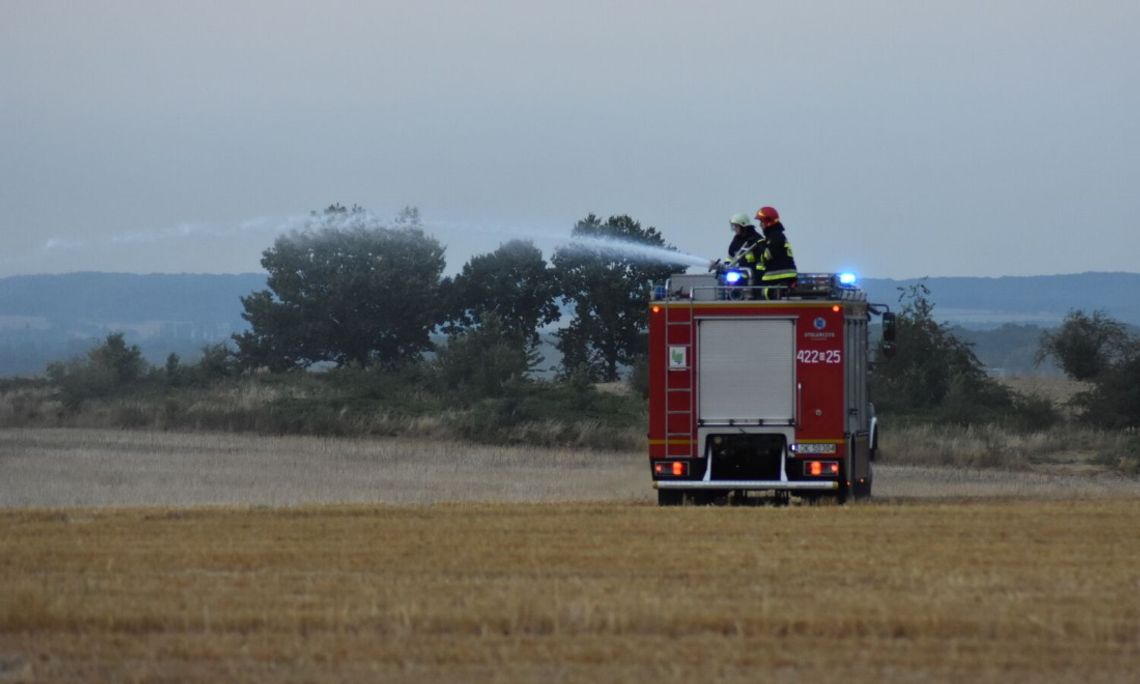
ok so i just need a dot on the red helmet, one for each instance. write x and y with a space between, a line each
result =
767 214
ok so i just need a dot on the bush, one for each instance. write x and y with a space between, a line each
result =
639 376
487 361
935 375
1032 413
1114 400
108 369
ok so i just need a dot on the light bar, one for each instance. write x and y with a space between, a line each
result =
847 279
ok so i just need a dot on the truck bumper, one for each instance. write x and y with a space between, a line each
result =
754 485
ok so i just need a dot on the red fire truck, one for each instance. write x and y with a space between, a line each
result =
751 395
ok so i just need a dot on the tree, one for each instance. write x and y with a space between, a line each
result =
1114 400
511 284
1099 350
1086 346
347 290
109 368
484 361
609 287
933 370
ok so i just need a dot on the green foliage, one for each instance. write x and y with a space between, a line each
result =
1087 346
1099 350
639 376
935 376
173 372
109 368
1114 400
345 290
1032 413
934 370
217 362
511 284
487 361
609 292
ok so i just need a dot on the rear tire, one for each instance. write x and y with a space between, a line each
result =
670 497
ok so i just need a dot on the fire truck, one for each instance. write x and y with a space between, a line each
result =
760 394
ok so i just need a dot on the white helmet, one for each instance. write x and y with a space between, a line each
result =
741 220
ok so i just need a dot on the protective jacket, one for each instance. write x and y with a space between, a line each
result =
749 240
776 260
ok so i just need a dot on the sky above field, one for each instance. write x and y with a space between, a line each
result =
897 138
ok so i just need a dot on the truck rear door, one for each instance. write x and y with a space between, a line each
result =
746 370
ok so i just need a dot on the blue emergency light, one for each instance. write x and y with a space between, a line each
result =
733 277
847 279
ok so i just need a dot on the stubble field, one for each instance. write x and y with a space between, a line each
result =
566 572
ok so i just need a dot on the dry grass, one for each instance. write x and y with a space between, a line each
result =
65 467
1058 390
999 591
1065 449
68 468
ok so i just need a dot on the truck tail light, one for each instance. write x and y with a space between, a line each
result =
671 468
821 468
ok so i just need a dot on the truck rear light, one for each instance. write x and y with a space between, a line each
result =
821 468
671 468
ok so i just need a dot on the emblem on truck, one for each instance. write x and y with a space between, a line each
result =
678 358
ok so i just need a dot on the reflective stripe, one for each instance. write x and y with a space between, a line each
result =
786 274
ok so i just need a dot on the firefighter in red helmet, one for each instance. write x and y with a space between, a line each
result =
777 263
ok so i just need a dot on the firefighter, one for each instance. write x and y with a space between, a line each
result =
746 246
777 264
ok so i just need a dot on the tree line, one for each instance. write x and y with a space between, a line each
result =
357 297
358 294
935 375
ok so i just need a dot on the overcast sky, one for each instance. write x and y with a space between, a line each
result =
897 138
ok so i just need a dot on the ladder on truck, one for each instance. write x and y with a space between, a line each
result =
680 396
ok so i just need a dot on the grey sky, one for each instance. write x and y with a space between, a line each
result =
897 138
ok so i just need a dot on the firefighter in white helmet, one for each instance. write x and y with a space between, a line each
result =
746 246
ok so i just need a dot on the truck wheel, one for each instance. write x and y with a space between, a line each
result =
670 497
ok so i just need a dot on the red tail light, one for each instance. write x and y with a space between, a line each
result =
671 468
821 468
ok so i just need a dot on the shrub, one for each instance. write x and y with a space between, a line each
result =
487 361
108 369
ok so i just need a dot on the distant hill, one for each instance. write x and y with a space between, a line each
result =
128 297
1042 300
45 318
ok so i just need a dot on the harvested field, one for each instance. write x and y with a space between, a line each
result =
546 565
67 468
989 591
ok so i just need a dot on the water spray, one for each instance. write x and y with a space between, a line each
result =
604 247
612 247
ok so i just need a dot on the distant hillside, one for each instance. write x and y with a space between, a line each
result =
45 318
128 298
1043 300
